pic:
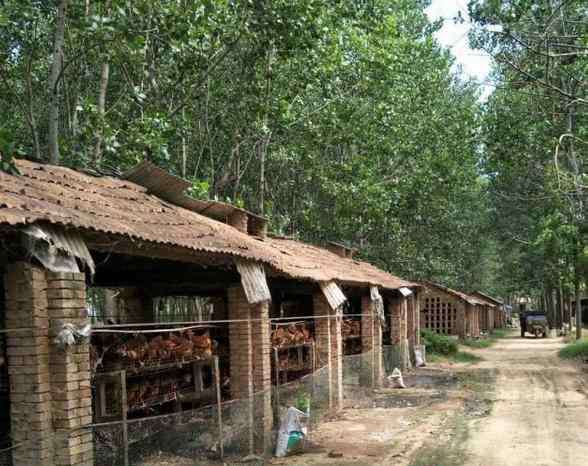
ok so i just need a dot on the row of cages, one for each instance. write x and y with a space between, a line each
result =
167 371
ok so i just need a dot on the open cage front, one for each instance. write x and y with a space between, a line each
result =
163 371
351 327
292 337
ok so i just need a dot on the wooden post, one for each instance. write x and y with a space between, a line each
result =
124 407
219 406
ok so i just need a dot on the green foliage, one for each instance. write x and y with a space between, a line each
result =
466 358
303 401
487 342
352 110
534 141
477 343
439 344
576 350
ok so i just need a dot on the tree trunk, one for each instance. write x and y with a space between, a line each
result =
53 85
31 112
578 309
104 75
560 305
570 314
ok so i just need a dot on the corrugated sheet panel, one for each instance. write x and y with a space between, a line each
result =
172 188
334 295
253 281
58 243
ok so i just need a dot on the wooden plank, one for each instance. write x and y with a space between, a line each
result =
219 406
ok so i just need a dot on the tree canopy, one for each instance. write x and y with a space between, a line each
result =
340 121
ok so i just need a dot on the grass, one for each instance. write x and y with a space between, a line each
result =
485 342
465 357
441 348
575 350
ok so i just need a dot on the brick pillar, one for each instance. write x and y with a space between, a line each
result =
329 348
28 364
417 318
71 392
262 381
51 399
398 336
410 322
462 320
371 344
250 363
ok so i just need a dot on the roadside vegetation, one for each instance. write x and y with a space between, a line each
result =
443 348
480 343
576 350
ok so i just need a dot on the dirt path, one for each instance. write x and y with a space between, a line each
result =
540 414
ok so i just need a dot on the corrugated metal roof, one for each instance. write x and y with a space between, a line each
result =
61 196
486 297
302 260
172 188
458 294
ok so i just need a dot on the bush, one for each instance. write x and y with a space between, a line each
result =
578 349
438 344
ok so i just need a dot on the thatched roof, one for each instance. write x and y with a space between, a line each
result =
113 208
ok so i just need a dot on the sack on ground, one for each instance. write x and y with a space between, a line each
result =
419 356
292 432
395 379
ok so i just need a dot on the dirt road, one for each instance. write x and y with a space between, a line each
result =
540 414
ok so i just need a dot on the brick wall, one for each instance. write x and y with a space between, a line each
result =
71 391
371 342
250 362
461 323
49 388
397 309
28 364
329 347
417 318
262 381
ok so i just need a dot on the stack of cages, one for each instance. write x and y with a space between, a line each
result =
157 389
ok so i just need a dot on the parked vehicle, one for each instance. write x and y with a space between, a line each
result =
534 323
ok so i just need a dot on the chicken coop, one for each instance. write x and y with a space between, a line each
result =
132 309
